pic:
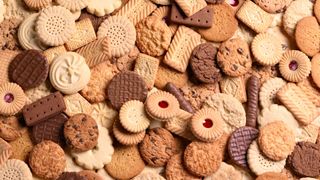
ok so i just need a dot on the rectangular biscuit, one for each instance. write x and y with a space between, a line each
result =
84 34
297 102
54 52
254 17
136 10
183 43
147 67
311 90
43 109
234 86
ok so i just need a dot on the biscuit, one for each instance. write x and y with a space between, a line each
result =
6 57
202 159
71 175
8 33
13 99
226 171
260 164
273 6
234 86
157 147
127 61
207 125
22 146
307 35
311 90
166 74
120 33
316 9
181 48
73 77
252 110
268 91
296 11
104 114
81 133
161 106
37 5
126 163
76 104
54 52
225 104
266 49
162 13
15 169
90 175
101 8
297 103
276 140
61 21
315 66
125 137
254 17
133 116
234 57
225 24
147 67
295 66
5 151
44 152
272 175
153 36
191 7
184 104
83 35
73 5
136 10
98 157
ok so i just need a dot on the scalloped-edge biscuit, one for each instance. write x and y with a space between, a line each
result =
101 8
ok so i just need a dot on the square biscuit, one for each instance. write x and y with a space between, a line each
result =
76 104
147 67
84 34
190 7
234 86
183 43
254 17
54 52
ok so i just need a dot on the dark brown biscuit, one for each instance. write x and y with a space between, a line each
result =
126 86
29 69
95 20
305 158
81 132
43 109
203 63
51 129
71 176
239 143
157 147
203 18
184 104
253 88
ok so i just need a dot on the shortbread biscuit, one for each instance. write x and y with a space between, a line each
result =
83 35
307 35
59 30
101 8
125 137
295 66
260 164
191 7
181 48
254 17
266 49
298 103
120 33
136 10
147 67
73 5
153 36
225 24
101 75
296 11
234 86
268 91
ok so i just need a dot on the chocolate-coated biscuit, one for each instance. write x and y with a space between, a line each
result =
43 109
29 69
81 132
51 129
239 143
305 158
126 86
203 63
253 88
184 104
203 18
71 176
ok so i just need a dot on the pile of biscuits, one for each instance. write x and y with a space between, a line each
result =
159 89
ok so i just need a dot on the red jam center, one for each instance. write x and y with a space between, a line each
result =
207 123
163 104
8 98
293 65
234 2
